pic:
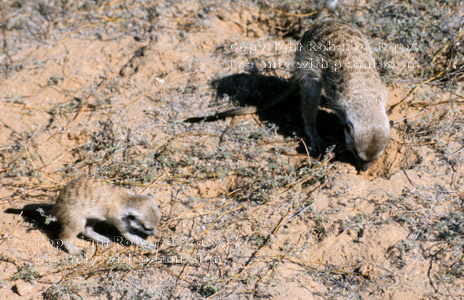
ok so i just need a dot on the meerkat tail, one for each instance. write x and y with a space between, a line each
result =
225 114
248 110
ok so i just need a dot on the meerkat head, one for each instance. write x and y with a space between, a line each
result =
367 141
142 215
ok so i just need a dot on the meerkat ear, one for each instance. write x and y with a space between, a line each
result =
150 195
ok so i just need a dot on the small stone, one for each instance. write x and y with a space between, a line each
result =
22 288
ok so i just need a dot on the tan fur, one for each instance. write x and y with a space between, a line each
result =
85 199
335 63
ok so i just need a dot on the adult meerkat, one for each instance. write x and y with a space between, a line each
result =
334 67
83 201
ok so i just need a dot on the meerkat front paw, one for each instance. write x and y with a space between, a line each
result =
316 143
73 249
147 246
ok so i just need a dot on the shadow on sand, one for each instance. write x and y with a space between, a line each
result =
37 214
253 89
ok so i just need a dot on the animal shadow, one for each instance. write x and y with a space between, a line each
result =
39 216
253 89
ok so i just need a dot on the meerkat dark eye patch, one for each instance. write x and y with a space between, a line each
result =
147 228
138 231
131 217
349 128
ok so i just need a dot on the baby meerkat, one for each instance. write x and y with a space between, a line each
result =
334 67
84 201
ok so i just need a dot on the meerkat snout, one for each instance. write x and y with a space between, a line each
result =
367 143
85 200
142 222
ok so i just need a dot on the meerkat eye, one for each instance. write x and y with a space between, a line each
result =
131 217
349 128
